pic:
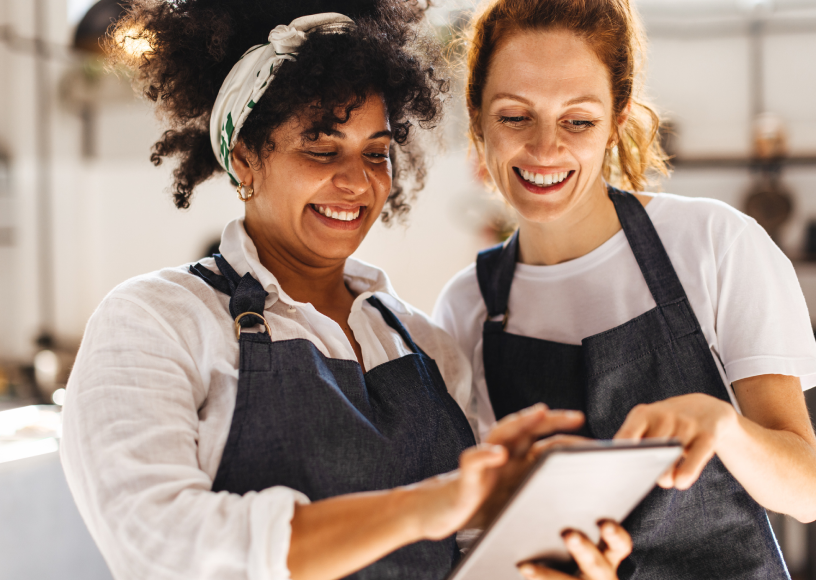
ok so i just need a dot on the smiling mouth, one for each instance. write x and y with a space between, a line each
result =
338 215
543 180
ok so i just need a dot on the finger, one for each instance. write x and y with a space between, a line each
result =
540 447
474 461
589 558
695 460
618 543
636 424
666 481
535 572
511 426
533 423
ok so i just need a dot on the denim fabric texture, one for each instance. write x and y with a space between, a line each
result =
323 427
712 530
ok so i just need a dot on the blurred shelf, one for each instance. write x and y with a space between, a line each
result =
741 162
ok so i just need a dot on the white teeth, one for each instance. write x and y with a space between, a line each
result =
343 216
542 179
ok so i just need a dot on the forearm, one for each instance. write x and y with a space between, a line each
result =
335 537
777 467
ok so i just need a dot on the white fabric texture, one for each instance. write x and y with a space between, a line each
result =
251 75
150 401
742 288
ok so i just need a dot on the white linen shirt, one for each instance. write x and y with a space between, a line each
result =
150 402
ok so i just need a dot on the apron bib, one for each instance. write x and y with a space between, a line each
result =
712 530
323 427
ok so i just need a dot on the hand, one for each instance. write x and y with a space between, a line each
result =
519 433
452 501
595 562
699 421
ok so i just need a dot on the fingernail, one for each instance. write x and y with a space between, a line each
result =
573 541
527 570
573 414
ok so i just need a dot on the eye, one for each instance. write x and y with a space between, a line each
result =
512 121
377 157
322 154
577 125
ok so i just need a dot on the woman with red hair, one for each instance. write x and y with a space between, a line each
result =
655 315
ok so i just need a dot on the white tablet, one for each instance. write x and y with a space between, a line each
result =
568 488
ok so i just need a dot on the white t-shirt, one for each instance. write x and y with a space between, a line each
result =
150 403
742 288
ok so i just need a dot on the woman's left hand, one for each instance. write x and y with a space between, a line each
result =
594 562
698 421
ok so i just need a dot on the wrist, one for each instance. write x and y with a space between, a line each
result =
409 503
426 507
728 426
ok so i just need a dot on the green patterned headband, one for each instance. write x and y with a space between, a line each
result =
251 75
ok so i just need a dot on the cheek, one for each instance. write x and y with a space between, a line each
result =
381 180
499 150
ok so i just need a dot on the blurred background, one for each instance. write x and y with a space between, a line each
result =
82 209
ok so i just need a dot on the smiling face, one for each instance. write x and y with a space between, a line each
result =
315 201
546 122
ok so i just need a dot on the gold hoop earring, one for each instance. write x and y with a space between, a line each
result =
249 192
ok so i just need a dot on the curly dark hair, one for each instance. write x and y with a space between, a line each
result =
195 43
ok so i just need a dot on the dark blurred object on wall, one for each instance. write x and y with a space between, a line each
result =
96 22
769 202
809 252
770 137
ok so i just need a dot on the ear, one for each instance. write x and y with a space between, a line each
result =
624 116
241 165
620 121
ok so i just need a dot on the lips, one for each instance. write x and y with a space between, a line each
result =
339 217
542 183
338 214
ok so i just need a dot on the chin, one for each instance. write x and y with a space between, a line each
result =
537 211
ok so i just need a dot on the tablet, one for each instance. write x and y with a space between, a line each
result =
567 488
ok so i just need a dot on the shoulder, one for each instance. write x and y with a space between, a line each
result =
171 296
667 208
695 222
461 292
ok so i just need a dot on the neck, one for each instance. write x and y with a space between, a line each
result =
584 227
321 285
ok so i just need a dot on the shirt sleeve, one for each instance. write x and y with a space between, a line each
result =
763 325
129 451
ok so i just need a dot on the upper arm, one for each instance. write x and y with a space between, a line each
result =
775 402
762 322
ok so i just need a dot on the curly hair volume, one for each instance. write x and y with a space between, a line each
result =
195 43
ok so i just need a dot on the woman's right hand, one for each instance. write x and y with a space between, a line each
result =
450 502
595 562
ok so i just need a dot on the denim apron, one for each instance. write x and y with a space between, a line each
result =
323 427
712 530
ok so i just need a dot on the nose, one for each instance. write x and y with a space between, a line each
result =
545 145
352 177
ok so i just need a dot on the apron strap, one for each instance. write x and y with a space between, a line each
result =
246 293
494 269
651 256
394 322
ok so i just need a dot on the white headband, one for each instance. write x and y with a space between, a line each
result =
251 75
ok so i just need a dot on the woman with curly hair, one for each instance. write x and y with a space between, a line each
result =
277 411
656 315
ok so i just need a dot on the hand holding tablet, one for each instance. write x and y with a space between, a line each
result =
568 488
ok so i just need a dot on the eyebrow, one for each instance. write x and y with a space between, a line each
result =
577 101
341 135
